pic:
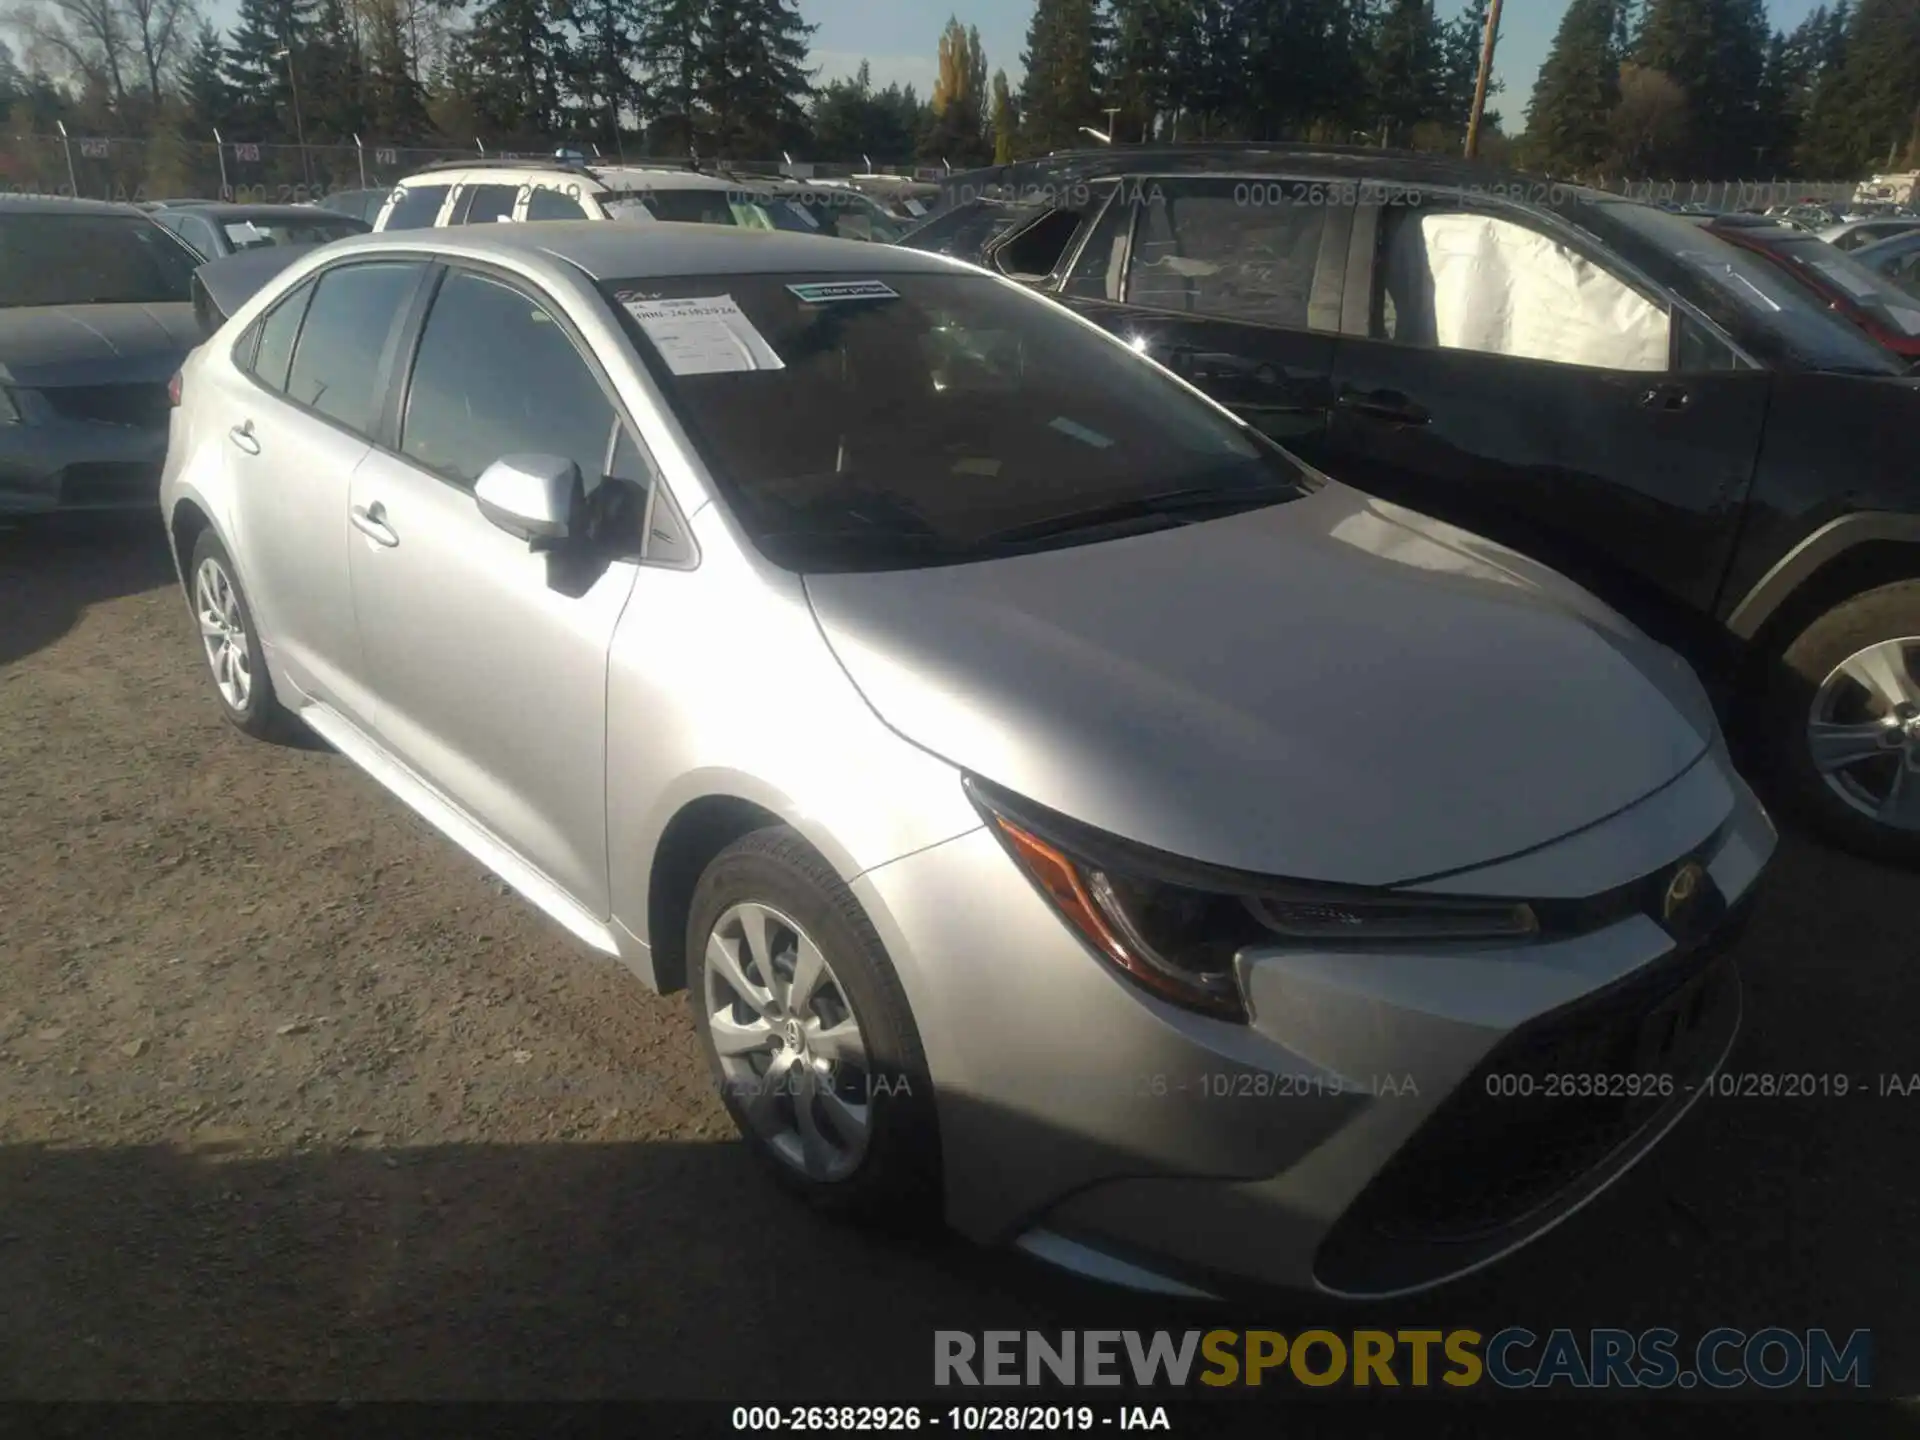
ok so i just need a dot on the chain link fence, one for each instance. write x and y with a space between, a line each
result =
170 168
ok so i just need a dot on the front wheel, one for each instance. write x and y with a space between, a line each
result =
1844 722
808 1033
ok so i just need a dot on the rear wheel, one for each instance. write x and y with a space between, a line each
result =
1844 722
231 642
808 1033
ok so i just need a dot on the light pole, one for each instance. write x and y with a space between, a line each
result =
299 129
1481 80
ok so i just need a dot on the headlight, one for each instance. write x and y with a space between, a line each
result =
1174 926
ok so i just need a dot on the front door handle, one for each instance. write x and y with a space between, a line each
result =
1667 397
1388 405
243 436
371 521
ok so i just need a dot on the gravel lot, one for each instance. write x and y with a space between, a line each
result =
294 1102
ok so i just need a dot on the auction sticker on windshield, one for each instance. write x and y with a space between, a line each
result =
824 292
703 335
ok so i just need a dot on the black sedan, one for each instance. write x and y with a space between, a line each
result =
95 318
1614 390
216 228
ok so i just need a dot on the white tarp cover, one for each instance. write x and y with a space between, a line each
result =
1499 287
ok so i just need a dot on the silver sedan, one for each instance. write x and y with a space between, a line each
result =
1070 816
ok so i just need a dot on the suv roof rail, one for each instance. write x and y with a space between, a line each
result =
490 162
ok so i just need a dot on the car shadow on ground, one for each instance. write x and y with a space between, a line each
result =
52 570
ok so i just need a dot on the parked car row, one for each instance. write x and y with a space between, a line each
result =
1032 760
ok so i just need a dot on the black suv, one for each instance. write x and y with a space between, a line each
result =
1605 386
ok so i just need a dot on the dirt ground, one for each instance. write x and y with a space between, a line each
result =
295 1102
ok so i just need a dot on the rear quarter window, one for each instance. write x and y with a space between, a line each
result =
416 207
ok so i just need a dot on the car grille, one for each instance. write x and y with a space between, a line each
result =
109 483
1489 1159
143 405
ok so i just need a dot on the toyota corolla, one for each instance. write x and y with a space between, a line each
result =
1069 815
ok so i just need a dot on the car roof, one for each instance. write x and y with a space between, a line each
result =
614 177
613 250
234 210
61 205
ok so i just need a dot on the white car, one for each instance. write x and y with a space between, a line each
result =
482 192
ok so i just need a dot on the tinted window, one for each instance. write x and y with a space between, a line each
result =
337 362
1702 350
1205 247
418 207
701 207
922 424
1097 270
277 334
244 232
546 203
486 204
496 375
91 258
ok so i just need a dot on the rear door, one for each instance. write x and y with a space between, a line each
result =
1234 283
1516 379
301 408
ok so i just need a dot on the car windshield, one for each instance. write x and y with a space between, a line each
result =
1777 314
1866 290
902 420
245 232
89 258
845 213
968 228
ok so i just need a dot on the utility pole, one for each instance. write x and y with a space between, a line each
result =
1480 81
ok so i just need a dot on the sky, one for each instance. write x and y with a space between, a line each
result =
899 38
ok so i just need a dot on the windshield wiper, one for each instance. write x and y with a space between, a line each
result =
1177 507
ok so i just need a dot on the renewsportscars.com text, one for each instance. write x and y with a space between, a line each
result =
1513 1358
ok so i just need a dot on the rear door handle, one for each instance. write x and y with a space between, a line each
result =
1667 397
371 521
243 436
1388 405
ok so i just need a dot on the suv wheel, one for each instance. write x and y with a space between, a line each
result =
1844 719
231 642
808 1033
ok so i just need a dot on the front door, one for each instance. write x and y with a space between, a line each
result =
486 662
1512 384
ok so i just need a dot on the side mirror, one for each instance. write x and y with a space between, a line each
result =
536 498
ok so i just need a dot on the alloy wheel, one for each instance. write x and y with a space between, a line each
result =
223 632
789 1043
1863 732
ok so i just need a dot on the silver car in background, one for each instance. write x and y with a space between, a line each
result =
1069 815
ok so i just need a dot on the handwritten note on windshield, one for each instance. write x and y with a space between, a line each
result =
703 335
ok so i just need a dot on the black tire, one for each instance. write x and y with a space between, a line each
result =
1802 668
262 716
897 1179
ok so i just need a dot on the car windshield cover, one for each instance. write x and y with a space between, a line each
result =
902 420
1867 290
1770 299
91 259
245 233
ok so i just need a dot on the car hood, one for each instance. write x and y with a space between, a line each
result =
55 345
1334 688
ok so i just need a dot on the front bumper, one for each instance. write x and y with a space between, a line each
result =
1370 1132
52 468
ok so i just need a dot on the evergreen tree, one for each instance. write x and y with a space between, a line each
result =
1005 120
670 38
601 66
754 81
396 100
1869 105
256 75
331 72
1716 50
1408 65
515 49
1062 88
1578 87
206 99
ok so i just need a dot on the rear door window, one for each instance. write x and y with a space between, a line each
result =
1205 247
418 207
336 364
485 204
